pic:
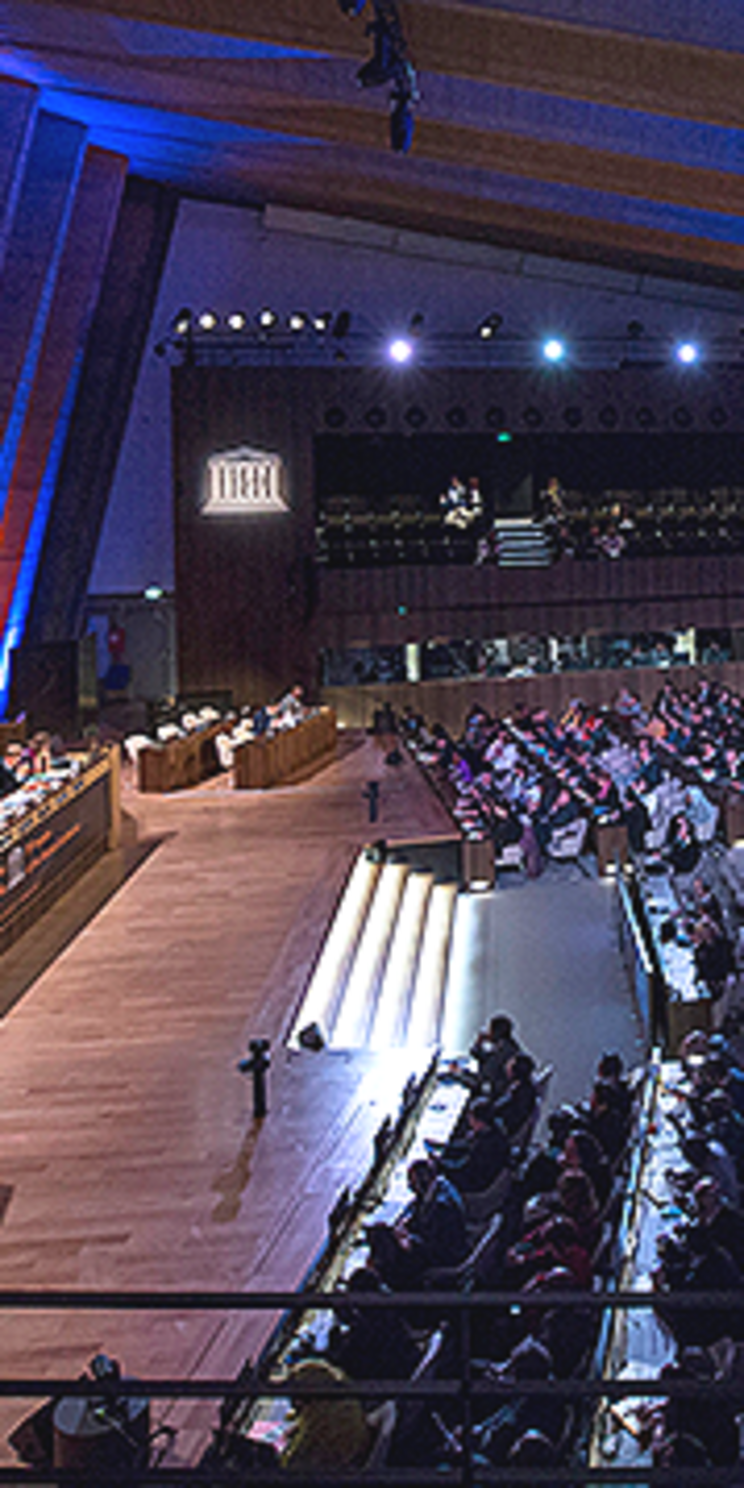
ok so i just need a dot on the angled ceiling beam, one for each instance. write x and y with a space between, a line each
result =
239 96
504 224
486 45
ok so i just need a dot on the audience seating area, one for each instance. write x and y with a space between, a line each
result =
591 526
546 1225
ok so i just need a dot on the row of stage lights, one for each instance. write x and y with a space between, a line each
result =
400 349
208 321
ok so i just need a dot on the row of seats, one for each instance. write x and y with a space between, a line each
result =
511 1224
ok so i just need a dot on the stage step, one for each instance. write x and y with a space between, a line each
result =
388 1028
323 996
428 992
355 1014
379 982
521 543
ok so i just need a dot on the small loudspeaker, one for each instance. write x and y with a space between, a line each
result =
311 1038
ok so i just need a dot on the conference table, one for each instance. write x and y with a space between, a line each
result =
277 757
53 829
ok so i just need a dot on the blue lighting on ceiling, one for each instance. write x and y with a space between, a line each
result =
147 39
156 137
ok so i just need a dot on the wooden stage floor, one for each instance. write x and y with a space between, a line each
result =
129 1157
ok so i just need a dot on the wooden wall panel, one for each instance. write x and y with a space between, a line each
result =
448 701
253 611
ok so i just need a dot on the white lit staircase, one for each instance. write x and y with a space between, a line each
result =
381 978
521 543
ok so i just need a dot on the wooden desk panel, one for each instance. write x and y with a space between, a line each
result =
260 763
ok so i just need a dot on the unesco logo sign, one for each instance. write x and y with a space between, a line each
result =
242 481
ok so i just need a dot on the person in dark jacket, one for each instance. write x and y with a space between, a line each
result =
474 1162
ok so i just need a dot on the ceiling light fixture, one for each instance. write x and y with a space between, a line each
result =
400 350
488 327
389 63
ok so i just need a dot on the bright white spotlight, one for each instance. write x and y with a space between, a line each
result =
400 350
207 320
553 350
296 322
686 353
236 321
266 318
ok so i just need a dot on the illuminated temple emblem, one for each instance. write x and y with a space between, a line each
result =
244 480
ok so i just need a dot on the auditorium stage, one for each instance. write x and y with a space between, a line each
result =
127 1133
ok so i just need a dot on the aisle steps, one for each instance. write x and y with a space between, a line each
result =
381 976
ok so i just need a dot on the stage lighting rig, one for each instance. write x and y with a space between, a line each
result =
389 63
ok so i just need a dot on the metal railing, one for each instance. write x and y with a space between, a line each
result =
456 1391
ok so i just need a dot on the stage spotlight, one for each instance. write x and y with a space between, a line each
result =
266 318
207 321
488 327
400 350
687 353
182 322
322 322
236 321
553 350
296 322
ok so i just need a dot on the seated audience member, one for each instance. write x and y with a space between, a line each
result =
495 1437
694 1263
371 1343
611 1069
723 1222
682 848
605 1118
429 1234
325 1434
711 1422
543 1169
583 1153
534 1450
552 1243
706 904
636 818
8 779
473 1162
518 1101
492 1051
17 763
578 1202
713 954
708 1158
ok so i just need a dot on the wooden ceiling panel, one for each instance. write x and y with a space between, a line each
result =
297 129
